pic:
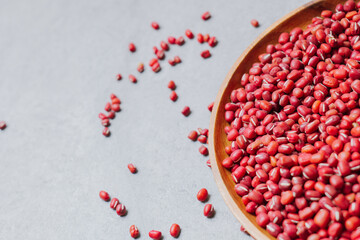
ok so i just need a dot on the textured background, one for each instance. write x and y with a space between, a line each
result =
57 63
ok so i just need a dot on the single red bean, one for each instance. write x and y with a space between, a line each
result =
154 234
189 34
3 124
212 42
209 210
180 41
132 47
322 218
273 229
156 67
200 38
241 189
203 150
177 59
254 23
115 107
352 223
193 135
164 46
132 168
171 40
175 230
121 209
205 54
205 16
173 96
186 111
336 181
160 54
202 195
140 67
262 219
155 25
132 78
106 132
118 77
114 202
335 229
105 122
202 139
171 85
134 231
256 196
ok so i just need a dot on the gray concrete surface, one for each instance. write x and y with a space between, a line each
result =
57 64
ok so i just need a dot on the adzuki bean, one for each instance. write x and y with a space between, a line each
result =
209 210
294 130
134 231
155 234
202 195
2 125
205 16
175 230
104 196
132 168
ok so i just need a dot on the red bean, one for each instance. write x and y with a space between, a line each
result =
273 229
156 67
336 181
256 196
171 40
106 132
121 209
171 85
322 218
3 124
205 16
132 47
173 96
205 54
335 229
193 135
209 210
160 54
132 78
118 76
254 23
134 231
180 41
212 42
352 223
202 195
177 59
132 168
140 67
175 230
164 46
262 219
203 150
154 234
189 34
114 202
155 25
186 111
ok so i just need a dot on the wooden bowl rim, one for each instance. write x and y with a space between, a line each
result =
253 230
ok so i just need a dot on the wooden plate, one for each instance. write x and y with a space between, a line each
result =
300 17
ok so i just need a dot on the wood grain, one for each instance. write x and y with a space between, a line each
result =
300 17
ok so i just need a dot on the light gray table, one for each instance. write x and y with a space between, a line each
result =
57 64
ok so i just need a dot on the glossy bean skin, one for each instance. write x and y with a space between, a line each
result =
296 122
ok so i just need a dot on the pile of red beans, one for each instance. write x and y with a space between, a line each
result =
295 130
